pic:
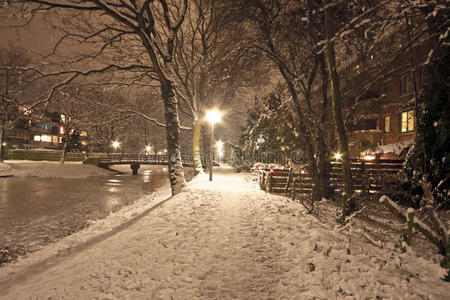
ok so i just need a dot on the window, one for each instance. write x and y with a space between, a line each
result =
43 138
387 124
46 138
407 121
406 85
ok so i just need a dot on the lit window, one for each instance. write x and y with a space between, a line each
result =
61 130
37 138
408 121
406 85
46 138
387 124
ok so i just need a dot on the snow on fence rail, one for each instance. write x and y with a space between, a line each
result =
367 177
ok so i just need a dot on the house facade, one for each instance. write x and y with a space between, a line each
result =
45 132
385 124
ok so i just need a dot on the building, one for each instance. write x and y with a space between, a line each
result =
43 132
385 123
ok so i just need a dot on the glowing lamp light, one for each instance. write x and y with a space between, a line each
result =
219 145
369 157
213 116
115 144
272 171
337 156
148 148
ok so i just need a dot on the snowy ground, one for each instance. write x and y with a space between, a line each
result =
220 240
50 169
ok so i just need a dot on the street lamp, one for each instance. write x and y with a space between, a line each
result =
115 145
337 156
212 116
147 149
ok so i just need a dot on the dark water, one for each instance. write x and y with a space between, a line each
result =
38 211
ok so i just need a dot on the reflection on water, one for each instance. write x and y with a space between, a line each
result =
37 211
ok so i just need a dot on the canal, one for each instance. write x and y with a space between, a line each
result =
38 211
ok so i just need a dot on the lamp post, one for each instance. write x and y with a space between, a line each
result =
219 146
212 116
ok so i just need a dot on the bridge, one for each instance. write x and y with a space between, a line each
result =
136 160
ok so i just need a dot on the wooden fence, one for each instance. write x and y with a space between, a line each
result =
368 177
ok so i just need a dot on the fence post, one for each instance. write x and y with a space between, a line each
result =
269 182
288 181
294 187
365 178
262 183
409 226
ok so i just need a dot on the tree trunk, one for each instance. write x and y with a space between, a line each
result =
2 148
176 173
336 103
322 149
64 152
196 156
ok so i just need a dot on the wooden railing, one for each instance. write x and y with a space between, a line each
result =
129 158
368 177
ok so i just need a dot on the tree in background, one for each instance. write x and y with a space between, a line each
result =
428 162
149 29
12 84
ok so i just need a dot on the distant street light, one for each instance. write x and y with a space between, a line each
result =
148 149
212 116
337 156
115 145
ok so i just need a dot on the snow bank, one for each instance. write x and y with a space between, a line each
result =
96 229
50 169
5 170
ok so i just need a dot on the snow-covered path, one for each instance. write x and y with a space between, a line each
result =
226 240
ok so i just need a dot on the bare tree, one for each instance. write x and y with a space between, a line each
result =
12 85
206 63
336 100
149 26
